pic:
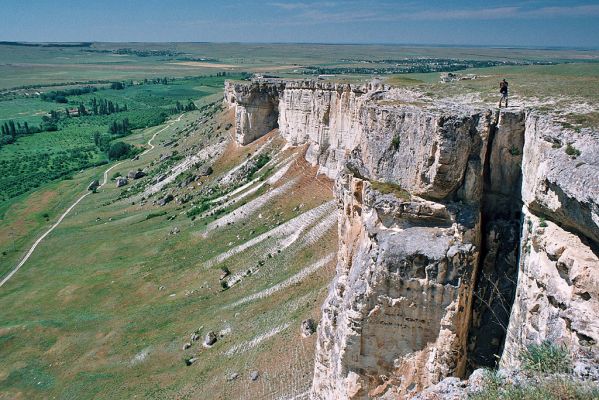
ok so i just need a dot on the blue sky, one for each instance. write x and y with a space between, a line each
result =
517 23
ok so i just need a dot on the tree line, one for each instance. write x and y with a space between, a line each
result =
103 107
60 96
10 130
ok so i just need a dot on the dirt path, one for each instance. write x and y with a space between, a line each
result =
68 210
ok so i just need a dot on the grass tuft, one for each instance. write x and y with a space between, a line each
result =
546 357
391 188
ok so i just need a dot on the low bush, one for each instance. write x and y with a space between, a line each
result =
572 151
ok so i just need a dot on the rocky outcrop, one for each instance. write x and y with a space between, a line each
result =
431 202
121 181
397 315
557 295
256 108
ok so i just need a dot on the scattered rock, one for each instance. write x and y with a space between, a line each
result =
210 339
175 230
186 346
195 337
165 200
232 376
254 375
160 178
191 360
308 327
205 171
224 272
136 174
93 185
121 181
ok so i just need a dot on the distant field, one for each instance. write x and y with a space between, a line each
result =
20 65
569 91
41 157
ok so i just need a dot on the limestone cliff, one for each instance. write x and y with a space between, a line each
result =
557 296
432 242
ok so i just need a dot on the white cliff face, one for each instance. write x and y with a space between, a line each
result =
557 295
325 116
428 261
397 315
256 109
335 120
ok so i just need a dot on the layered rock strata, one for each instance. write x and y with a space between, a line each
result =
431 203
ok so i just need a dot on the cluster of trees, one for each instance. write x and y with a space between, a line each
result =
114 150
158 81
9 131
117 85
104 107
60 96
190 106
120 127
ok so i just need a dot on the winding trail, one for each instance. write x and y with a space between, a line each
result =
68 210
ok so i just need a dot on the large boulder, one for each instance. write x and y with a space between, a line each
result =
136 174
205 170
165 200
121 181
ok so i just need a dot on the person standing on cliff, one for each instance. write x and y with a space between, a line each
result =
503 90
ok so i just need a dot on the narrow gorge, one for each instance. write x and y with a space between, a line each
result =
465 233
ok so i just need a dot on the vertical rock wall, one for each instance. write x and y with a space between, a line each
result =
256 108
557 296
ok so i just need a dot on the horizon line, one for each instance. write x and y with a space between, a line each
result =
465 45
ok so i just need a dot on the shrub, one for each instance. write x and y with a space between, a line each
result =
260 162
546 357
395 142
542 222
572 151
156 214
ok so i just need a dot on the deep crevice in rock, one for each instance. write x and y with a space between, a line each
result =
500 239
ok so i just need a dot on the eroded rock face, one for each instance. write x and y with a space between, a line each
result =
256 108
557 296
563 188
397 315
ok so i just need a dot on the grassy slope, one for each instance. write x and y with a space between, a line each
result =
89 301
